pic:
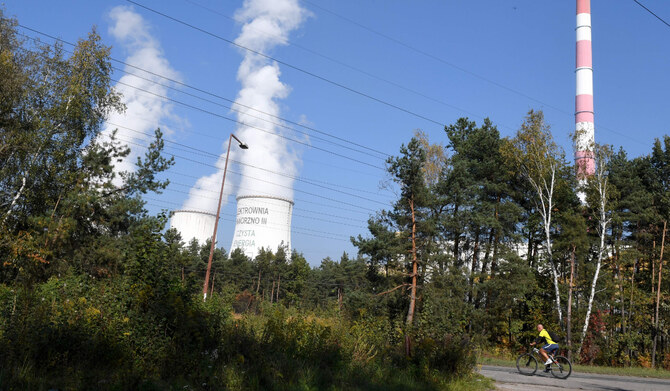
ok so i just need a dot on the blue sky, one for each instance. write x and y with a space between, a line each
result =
439 60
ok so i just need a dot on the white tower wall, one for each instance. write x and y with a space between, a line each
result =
262 221
193 224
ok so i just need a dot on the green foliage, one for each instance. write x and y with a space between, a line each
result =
95 293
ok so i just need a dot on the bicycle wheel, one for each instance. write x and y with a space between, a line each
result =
561 367
526 364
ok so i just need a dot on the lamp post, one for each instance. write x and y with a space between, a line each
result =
218 211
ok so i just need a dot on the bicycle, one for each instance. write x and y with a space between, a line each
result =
560 367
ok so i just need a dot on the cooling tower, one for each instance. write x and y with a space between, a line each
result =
262 221
193 224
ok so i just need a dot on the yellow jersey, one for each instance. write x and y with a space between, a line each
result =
545 334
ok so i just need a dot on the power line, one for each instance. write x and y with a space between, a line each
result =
322 78
231 218
207 93
202 152
246 114
258 179
250 126
219 139
471 73
652 12
431 56
266 203
235 186
367 95
299 201
274 183
277 225
604 127
341 63
245 124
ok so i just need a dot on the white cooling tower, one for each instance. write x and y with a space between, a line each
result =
262 221
193 224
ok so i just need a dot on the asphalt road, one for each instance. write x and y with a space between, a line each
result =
510 379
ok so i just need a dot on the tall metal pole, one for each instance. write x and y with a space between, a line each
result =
584 126
218 211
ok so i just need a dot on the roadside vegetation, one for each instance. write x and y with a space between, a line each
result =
487 238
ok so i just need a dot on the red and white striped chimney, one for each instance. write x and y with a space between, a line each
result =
584 126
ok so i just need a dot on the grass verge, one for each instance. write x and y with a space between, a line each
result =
476 382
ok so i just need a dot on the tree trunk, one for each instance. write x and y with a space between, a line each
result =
653 269
412 300
494 259
278 284
487 254
272 293
457 239
14 201
593 293
602 230
658 295
473 268
25 176
630 312
554 275
622 294
530 248
569 309
339 298
211 288
258 286
494 264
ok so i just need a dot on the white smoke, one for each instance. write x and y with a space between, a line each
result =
143 111
266 24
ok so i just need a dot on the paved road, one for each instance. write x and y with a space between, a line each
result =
510 379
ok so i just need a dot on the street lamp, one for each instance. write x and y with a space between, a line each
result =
218 211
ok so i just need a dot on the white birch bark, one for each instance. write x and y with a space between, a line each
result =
35 156
545 193
603 221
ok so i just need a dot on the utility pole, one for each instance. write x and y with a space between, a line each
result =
218 211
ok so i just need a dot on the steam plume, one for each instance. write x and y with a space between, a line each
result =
143 111
266 24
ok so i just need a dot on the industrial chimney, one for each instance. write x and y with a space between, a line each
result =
584 127
262 222
192 224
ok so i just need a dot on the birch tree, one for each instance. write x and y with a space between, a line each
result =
598 197
660 160
52 106
539 160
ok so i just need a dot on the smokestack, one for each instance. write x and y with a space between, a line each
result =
584 161
262 221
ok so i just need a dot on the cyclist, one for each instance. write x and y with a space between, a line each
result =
549 346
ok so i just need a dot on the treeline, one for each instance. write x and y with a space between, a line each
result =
488 237
95 293
498 234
